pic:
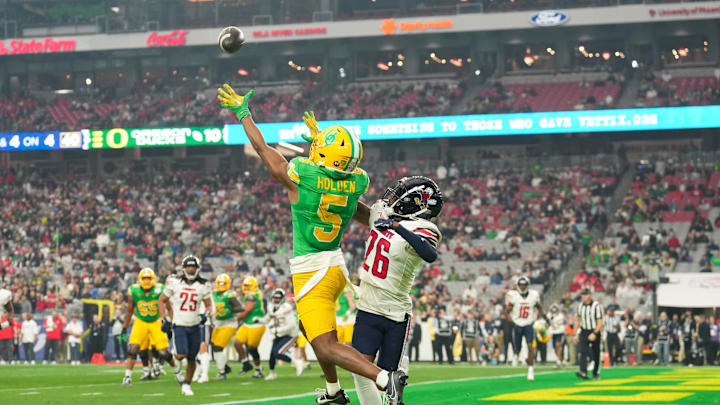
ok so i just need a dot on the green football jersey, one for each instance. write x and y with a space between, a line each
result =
223 308
258 310
146 304
326 204
342 305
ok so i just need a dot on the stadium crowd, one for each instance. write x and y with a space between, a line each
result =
87 239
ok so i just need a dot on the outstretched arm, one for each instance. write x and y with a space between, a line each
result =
422 247
271 157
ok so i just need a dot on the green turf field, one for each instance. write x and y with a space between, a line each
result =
429 384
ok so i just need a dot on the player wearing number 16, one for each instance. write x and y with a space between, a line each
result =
180 309
147 330
324 192
520 305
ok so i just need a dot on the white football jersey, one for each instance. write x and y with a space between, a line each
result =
5 297
281 320
557 323
389 269
187 300
523 310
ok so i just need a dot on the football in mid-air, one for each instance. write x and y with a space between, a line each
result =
231 39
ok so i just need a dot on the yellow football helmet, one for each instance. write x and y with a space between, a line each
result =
249 285
147 278
337 149
222 283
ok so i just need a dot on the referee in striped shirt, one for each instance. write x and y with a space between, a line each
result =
589 323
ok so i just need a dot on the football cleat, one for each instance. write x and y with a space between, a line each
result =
185 390
245 368
258 373
179 377
127 381
221 376
227 369
396 386
203 379
271 376
146 376
584 376
339 398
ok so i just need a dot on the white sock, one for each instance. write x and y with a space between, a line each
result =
221 361
128 373
205 364
382 379
530 369
244 359
146 370
366 390
332 388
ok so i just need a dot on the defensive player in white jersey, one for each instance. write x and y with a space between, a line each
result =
6 307
181 312
520 305
280 320
395 251
557 331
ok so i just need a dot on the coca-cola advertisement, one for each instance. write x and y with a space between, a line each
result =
174 38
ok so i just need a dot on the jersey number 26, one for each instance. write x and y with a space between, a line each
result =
381 263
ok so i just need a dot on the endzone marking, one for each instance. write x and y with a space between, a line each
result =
486 377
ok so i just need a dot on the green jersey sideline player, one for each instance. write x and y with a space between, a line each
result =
324 192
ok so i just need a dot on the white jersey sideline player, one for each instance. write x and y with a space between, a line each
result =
395 251
521 304
6 307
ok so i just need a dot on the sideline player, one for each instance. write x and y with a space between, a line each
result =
557 331
226 308
280 319
323 190
520 306
181 313
147 328
345 312
251 332
395 251
7 307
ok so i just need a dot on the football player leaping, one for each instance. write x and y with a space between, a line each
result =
226 307
147 329
521 304
394 253
323 191
181 312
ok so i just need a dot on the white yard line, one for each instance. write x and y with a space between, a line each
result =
61 387
29 393
224 394
488 377
88 394
159 394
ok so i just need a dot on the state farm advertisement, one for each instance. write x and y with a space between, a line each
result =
36 46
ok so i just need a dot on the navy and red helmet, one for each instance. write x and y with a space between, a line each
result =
414 197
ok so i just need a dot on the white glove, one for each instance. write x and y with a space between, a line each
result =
379 210
4 325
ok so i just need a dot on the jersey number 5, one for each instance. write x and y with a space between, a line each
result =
381 263
524 311
330 217
190 300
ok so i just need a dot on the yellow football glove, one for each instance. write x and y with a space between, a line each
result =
312 124
235 103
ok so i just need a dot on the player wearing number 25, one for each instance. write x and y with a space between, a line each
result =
182 313
324 191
